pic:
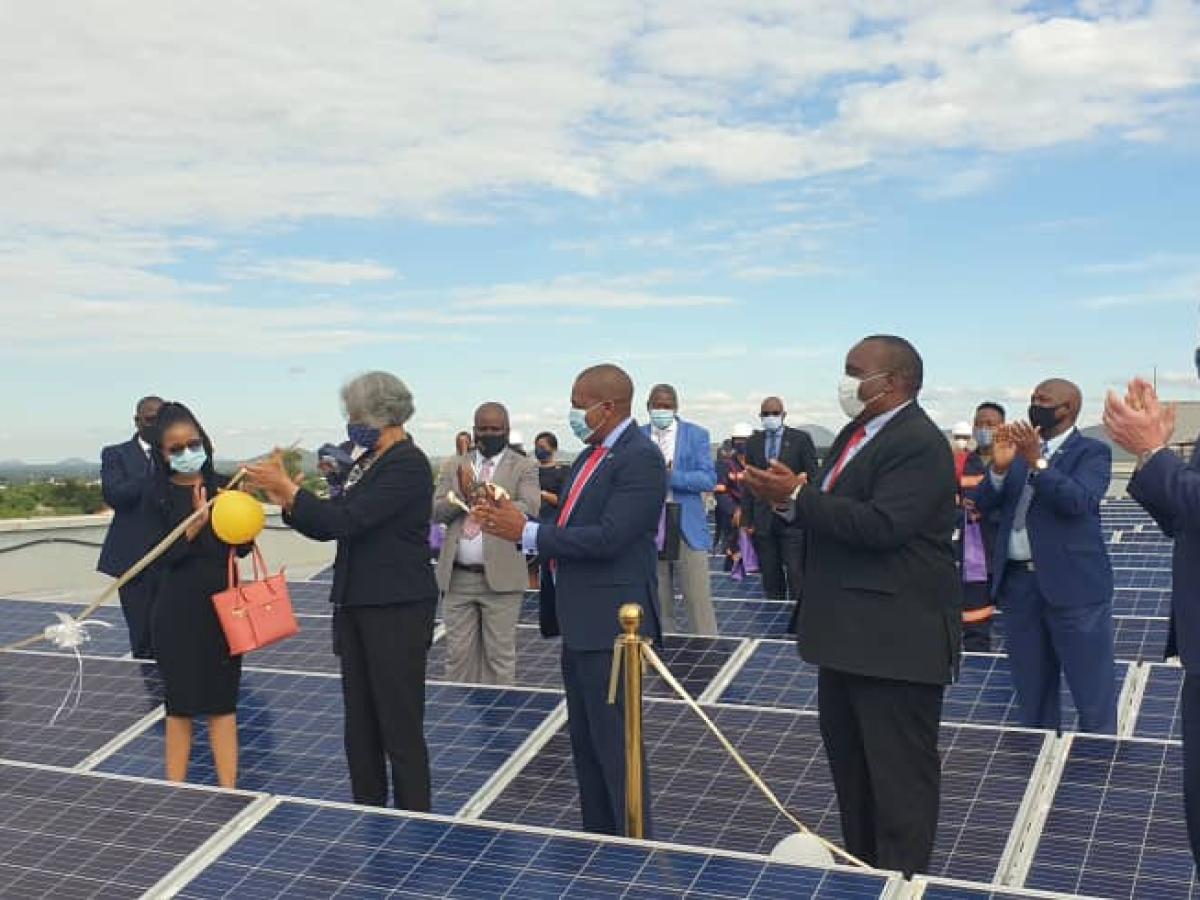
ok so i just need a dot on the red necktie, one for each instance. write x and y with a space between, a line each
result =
855 439
577 487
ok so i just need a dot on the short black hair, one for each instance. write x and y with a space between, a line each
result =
903 360
994 407
149 398
548 437
667 389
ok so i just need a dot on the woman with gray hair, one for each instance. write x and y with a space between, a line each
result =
383 593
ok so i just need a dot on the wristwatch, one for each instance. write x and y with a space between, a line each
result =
796 493
1040 465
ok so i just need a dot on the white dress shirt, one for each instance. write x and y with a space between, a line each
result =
470 549
872 428
666 443
1019 548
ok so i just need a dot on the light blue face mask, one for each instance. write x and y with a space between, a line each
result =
662 418
577 419
771 423
188 462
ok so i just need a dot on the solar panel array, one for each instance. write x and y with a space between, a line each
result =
1047 816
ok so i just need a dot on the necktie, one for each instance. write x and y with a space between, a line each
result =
773 446
855 439
472 528
585 474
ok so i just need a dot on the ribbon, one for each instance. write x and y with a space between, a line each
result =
665 673
71 634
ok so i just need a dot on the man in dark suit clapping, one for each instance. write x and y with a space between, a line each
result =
124 476
881 601
780 549
600 553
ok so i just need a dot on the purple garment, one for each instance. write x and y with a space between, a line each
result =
437 536
747 563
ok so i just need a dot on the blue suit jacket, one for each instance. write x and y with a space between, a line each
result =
1071 560
124 480
692 474
605 555
1169 490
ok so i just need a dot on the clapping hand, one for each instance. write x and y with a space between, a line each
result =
775 484
199 505
500 518
270 476
1141 422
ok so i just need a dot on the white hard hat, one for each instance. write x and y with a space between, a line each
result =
742 430
516 438
961 429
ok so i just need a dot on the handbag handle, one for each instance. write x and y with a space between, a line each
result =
259 564
234 577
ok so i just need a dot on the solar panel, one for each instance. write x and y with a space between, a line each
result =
1126 557
701 798
310 598
1160 714
310 650
776 676
1144 602
20 619
117 694
735 618
290 730
1142 578
300 850
694 660
74 836
1154 541
1115 827
957 890
726 587
1136 638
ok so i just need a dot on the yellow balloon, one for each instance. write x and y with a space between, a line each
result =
237 518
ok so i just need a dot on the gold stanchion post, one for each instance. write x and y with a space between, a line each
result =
630 617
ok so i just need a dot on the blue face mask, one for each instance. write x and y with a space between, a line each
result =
771 423
363 435
542 454
662 418
577 419
188 462
984 436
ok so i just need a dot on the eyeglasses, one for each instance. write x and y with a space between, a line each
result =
178 449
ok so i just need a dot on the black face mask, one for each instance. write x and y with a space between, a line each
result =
739 446
1043 417
491 444
148 433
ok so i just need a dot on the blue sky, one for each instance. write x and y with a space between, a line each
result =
243 208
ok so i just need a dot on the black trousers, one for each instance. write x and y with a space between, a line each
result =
137 604
1191 760
881 737
977 620
781 561
382 651
597 732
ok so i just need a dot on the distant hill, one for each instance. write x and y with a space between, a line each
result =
18 472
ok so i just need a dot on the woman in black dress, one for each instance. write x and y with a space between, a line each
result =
200 677
552 476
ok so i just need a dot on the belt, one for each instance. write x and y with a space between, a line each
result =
1022 565
477 569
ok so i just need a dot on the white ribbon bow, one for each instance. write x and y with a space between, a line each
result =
71 634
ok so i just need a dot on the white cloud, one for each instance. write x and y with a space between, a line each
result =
582 292
314 271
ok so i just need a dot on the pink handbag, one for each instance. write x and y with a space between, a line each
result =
255 613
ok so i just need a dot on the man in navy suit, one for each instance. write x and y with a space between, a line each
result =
600 554
687 450
1052 575
1169 489
124 476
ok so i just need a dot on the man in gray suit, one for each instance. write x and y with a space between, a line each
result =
483 578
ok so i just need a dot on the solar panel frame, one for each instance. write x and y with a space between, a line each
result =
1160 713
118 695
1150 603
701 798
20 619
1136 638
291 736
289 853
72 834
1114 822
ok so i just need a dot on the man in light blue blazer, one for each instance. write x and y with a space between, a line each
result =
687 451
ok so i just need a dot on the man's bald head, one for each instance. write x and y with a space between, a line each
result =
771 406
605 383
491 415
1059 393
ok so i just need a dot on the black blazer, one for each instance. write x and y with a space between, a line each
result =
126 482
796 451
881 592
382 529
